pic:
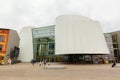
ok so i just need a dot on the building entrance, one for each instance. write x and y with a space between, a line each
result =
43 47
43 42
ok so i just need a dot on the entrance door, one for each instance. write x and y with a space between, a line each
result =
43 47
42 51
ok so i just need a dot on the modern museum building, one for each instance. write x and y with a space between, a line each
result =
73 38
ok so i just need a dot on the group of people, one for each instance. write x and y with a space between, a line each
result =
42 62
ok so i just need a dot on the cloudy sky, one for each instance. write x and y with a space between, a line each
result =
15 14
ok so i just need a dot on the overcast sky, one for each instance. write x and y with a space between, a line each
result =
15 14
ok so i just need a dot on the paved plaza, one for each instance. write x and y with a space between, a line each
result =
25 71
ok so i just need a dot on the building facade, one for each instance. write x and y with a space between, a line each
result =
26 44
79 35
116 44
109 41
72 35
9 43
43 42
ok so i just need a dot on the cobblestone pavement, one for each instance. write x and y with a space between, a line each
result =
25 71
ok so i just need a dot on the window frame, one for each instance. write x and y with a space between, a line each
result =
3 38
1 47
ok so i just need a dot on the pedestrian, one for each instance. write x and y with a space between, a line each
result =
114 64
9 61
33 62
40 63
44 62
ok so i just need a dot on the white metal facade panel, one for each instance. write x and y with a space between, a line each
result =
79 35
26 46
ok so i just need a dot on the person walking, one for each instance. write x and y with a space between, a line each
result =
41 62
44 62
9 61
33 62
114 64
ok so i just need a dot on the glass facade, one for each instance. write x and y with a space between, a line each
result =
109 42
43 42
116 47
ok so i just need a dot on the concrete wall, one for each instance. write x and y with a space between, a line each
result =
13 40
26 44
79 35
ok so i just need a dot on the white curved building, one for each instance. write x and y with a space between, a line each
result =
26 44
72 34
79 35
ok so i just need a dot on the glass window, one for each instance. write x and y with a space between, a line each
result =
114 38
1 38
0 47
115 45
51 45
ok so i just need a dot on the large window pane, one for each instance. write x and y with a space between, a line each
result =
0 47
1 38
